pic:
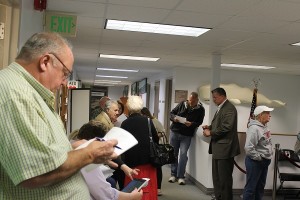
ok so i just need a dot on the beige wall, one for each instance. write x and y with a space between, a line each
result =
2 20
9 15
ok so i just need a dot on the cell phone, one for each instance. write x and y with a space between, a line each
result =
136 183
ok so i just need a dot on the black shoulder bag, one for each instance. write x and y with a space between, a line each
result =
160 154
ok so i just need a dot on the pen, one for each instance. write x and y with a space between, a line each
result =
102 139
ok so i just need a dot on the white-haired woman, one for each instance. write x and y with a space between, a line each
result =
139 156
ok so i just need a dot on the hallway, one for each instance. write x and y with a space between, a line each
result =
173 191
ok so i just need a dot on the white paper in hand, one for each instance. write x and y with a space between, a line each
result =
125 139
180 119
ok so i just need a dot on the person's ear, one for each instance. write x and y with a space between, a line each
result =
44 62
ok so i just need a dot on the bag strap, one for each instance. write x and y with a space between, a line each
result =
164 138
149 128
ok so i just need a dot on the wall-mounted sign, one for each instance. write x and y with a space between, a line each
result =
72 84
61 23
180 95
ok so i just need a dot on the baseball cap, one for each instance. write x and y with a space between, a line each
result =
260 109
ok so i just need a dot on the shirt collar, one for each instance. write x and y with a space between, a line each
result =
220 106
45 93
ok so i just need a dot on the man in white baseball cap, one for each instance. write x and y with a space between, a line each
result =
259 109
258 148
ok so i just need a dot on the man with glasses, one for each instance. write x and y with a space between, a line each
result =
37 160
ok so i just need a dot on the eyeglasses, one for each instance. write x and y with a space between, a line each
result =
66 74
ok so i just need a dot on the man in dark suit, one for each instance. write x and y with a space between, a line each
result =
224 144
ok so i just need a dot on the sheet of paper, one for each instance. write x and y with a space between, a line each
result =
181 119
125 142
125 139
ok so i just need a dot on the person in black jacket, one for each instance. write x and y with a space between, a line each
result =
187 116
139 155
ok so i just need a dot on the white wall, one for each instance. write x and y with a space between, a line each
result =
31 21
115 92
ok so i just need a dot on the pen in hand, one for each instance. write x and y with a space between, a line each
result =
102 139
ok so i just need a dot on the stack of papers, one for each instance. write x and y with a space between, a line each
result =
125 140
180 119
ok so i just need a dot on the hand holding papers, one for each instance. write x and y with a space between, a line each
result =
125 140
180 119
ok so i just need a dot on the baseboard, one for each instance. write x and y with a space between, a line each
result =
209 191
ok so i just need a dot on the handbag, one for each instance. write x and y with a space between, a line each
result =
161 154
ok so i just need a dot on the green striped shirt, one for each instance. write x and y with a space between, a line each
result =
32 139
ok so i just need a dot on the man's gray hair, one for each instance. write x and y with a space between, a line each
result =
41 43
108 104
134 104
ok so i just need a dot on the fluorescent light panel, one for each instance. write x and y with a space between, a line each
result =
117 70
106 81
103 76
128 57
104 84
154 28
246 66
111 83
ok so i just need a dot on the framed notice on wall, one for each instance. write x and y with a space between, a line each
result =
125 91
142 85
180 95
134 88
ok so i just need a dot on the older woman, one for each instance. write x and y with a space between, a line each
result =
139 155
160 131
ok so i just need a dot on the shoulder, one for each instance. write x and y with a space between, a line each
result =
229 106
101 117
200 107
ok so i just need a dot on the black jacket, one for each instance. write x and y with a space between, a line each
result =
194 115
137 125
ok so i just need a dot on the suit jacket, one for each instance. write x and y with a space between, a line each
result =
224 142
104 118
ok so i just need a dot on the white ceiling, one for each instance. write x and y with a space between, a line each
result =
243 31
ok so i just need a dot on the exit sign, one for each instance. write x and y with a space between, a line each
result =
63 24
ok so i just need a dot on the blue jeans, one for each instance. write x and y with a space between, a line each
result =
182 143
256 178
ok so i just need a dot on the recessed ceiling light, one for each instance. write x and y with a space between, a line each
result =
128 57
106 81
154 28
111 76
117 70
246 66
104 84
